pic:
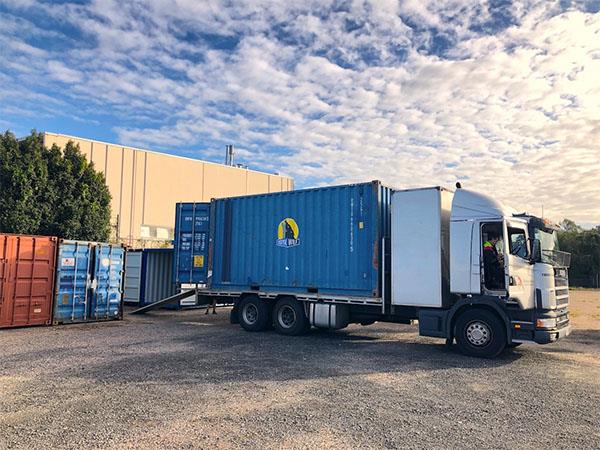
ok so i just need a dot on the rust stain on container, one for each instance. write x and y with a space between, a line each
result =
27 267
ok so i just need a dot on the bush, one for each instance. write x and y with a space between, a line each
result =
584 246
51 191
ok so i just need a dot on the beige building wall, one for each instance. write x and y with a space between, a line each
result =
146 185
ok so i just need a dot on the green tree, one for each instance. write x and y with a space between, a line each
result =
51 191
23 181
584 246
569 225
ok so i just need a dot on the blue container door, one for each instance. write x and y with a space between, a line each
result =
72 294
132 286
191 242
106 300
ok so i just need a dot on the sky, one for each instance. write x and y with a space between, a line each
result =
502 96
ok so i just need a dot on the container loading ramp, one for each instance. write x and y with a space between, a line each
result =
165 301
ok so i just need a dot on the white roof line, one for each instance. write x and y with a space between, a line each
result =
164 154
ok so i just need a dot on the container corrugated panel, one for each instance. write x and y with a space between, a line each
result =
132 288
107 292
157 275
88 282
191 242
27 266
149 276
324 240
73 276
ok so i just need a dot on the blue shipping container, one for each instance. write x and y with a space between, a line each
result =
314 241
191 243
88 282
149 276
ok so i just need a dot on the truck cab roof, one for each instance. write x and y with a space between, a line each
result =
470 205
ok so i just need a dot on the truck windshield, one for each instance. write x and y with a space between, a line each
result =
550 252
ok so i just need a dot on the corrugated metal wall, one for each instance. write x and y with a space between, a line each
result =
145 185
132 285
158 274
192 243
26 279
88 282
325 240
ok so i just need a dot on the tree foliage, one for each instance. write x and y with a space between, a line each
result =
569 225
51 191
584 246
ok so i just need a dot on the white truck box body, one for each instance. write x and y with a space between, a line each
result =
420 244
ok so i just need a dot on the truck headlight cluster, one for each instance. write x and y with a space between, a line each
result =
546 323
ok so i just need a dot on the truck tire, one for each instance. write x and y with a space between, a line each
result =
480 333
289 317
254 314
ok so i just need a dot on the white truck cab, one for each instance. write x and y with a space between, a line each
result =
535 294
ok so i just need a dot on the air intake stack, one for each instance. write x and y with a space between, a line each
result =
229 155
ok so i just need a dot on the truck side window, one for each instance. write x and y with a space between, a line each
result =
517 242
492 256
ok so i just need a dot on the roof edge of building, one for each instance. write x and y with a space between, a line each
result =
162 153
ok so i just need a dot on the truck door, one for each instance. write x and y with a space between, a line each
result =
491 248
519 271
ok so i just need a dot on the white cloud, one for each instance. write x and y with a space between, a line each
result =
60 72
353 93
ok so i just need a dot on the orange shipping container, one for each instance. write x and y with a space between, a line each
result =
27 266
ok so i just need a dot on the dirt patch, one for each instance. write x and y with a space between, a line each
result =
585 308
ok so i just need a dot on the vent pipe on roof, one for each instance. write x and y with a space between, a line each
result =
229 155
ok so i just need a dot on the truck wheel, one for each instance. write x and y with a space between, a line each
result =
289 317
254 313
480 333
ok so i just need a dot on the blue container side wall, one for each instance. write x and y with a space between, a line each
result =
338 248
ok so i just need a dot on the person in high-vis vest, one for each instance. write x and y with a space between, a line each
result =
493 262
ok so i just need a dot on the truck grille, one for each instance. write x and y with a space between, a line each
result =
561 283
562 321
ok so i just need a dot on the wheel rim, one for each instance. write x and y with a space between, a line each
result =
250 313
286 316
478 333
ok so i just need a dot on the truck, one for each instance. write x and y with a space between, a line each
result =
364 253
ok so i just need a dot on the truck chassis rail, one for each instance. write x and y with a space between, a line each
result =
302 297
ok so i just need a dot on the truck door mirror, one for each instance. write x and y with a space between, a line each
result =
536 250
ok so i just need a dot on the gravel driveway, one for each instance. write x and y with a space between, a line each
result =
183 379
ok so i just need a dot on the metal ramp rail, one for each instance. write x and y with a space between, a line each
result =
164 301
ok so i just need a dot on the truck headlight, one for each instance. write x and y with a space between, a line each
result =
546 323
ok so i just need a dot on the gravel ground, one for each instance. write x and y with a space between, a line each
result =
186 380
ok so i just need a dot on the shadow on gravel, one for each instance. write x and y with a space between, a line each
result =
224 356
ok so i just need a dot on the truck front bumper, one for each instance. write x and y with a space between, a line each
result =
548 336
